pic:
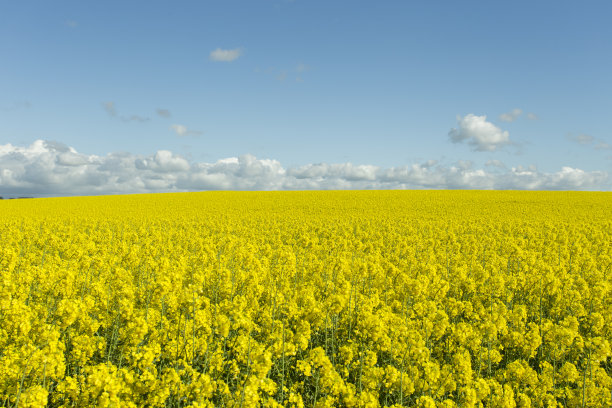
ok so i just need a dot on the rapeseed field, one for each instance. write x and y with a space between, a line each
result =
433 299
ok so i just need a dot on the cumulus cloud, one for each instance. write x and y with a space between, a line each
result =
182 130
163 161
221 55
478 133
511 116
53 169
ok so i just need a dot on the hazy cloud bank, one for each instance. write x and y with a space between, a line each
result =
53 169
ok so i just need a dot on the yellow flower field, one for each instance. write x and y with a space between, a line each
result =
307 299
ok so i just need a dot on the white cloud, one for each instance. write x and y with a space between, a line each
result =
53 169
478 133
179 129
163 161
532 116
182 130
511 116
221 55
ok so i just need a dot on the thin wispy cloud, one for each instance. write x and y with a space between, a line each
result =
16 106
135 118
284 73
511 116
222 55
111 110
581 138
53 169
532 116
300 69
588 140
478 133
164 113
109 107
495 163
182 130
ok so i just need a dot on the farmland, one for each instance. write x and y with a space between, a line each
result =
307 299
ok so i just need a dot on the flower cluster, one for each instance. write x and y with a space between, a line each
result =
296 299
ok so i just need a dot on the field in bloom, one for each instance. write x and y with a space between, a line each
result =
307 299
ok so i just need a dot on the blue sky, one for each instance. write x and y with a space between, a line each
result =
376 86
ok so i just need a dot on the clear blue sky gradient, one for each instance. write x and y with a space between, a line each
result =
318 81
